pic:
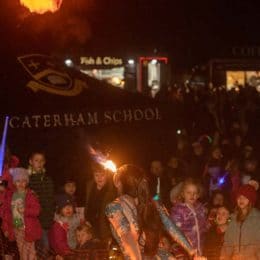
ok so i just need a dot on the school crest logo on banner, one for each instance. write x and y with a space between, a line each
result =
49 77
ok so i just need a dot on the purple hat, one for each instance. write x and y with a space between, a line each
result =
19 174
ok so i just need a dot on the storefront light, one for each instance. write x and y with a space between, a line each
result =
68 62
154 61
131 62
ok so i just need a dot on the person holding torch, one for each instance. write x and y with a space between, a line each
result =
137 221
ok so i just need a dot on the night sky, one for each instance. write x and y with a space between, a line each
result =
188 31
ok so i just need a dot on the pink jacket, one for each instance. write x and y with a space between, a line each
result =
33 230
58 238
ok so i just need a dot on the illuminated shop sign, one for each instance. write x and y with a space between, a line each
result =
101 61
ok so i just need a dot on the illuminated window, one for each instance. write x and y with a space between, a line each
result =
235 79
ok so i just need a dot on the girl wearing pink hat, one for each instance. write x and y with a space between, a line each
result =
21 209
242 238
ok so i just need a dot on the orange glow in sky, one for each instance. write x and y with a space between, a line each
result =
42 6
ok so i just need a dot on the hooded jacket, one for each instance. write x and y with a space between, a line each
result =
33 230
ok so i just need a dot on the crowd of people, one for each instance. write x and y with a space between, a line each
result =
198 202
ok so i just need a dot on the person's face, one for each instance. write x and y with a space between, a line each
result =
242 202
190 194
156 168
37 162
21 185
82 237
70 188
222 216
100 179
198 150
173 163
218 200
216 154
250 166
67 211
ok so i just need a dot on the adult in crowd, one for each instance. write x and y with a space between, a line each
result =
197 162
159 183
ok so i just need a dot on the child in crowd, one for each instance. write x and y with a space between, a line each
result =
242 237
62 235
69 188
20 215
217 199
85 238
43 186
215 236
164 250
190 215
235 178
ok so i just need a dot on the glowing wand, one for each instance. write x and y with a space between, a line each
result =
3 144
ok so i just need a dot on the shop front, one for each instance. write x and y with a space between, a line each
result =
243 69
106 68
145 74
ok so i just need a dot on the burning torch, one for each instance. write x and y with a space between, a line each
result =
101 159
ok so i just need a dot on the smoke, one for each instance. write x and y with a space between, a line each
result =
65 28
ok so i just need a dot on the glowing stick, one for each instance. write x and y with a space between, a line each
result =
3 143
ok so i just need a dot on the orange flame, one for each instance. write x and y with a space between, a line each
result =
109 165
42 6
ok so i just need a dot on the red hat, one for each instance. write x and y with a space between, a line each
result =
249 192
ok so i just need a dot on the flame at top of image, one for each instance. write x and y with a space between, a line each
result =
42 6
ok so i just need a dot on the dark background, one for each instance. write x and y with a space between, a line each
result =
189 31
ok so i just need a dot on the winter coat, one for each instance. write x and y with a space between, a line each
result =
58 238
33 230
192 222
242 240
43 186
214 239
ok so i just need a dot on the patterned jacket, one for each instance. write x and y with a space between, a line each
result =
122 214
192 222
